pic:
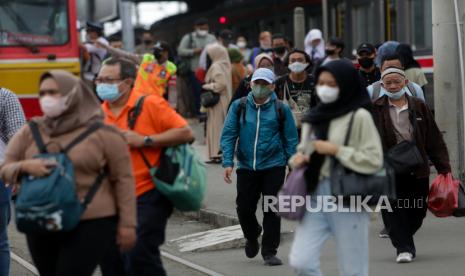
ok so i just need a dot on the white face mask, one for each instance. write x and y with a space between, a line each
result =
327 94
202 32
53 107
241 44
297 67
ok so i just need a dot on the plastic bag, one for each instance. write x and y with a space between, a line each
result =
443 195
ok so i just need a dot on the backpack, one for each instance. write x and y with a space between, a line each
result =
50 203
377 90
181 175
278 105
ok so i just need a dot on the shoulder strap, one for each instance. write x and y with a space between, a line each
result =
94 188
83 136
242 109
376 90
412 90
37 137
349 130
278 105
135 112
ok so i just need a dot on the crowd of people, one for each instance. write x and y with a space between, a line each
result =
270 107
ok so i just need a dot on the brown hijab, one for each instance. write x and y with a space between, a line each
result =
83 105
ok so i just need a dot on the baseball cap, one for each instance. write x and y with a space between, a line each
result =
367 48
263 74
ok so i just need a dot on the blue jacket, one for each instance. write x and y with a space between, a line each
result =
261 144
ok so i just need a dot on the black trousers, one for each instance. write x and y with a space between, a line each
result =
250 185
73 253
153 211
409 210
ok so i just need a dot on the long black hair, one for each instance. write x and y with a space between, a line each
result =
406 56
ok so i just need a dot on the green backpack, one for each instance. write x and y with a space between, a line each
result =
181 176
50 203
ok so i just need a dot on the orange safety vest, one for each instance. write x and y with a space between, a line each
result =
152 77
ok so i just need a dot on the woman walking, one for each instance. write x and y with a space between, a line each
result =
342 97
70 108
218 80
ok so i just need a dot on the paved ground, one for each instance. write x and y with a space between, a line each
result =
440 243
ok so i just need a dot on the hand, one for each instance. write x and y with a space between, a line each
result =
134 139
325 147
298 160
38 167
126 238
198 51
227 175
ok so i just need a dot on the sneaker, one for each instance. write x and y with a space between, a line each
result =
404 257
251 248
384 234
272 260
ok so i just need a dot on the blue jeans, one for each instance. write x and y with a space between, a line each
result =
4 247
350 231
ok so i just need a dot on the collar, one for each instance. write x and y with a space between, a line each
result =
399 109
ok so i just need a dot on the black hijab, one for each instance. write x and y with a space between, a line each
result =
406 56
352 96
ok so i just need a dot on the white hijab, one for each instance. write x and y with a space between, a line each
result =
320 49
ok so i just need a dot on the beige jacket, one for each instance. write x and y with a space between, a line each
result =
363 154
106 146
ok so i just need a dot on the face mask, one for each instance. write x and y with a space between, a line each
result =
108 92
157 55
396 95
241 44
366 62
297 67
280 50
202 32
330 52
260 91
53 107
265 45
327 94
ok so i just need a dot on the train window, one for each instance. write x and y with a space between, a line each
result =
391 19
337 20
421 24
363 29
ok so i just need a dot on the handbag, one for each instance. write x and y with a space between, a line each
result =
405 156
460 211
209 98
181 176
346 182
295 186
297 113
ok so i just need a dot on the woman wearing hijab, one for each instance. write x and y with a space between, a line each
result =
70 108
412 68
342 96
261 61
218 80
315 45
400 117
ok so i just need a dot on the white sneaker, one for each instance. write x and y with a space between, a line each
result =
404 257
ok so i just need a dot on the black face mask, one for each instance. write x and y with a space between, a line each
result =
366 62
148 42
280 50
158 55
330 52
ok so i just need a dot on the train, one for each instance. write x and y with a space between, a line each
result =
354 21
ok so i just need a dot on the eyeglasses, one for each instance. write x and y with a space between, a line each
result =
106 80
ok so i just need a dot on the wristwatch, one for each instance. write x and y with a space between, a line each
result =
148 141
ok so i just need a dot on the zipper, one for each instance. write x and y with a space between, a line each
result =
256 140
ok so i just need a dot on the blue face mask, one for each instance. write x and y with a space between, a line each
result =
397 95
108 92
